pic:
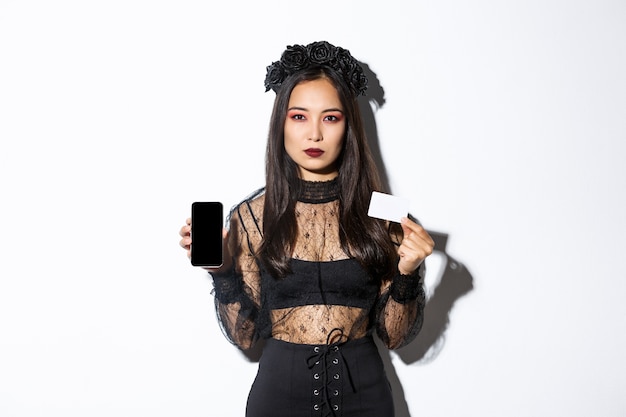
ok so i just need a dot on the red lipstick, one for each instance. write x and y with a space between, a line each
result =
314 152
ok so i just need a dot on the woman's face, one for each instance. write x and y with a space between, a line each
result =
314 129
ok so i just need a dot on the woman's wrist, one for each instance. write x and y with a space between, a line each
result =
406 287
227 288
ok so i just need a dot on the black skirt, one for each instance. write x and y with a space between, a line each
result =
338 380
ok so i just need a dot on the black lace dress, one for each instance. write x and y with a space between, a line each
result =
320 358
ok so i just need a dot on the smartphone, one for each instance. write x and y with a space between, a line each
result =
207 222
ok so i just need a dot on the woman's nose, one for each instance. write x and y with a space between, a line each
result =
316 133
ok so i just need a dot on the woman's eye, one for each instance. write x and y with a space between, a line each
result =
297 116
332 118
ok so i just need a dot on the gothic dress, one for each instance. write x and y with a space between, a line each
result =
318 322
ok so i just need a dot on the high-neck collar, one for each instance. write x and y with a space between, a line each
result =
318 191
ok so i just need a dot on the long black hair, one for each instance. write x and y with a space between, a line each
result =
362 237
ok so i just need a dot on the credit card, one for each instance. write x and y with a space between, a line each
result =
388 207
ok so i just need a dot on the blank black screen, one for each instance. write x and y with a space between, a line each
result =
206 233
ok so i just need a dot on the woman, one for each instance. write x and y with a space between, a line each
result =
306 268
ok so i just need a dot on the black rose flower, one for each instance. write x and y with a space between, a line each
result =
344 59
294 58
274 77
321 52
358 80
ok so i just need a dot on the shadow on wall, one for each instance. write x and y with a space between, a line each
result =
454 282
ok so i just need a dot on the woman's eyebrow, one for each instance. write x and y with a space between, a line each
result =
323 111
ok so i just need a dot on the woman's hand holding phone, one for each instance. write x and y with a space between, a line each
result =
205 242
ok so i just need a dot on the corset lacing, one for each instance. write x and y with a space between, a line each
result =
330 357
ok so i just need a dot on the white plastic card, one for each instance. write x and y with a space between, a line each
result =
388 207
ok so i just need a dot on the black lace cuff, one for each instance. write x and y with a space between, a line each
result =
227 288
406 288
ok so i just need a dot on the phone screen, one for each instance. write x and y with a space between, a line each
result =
206 233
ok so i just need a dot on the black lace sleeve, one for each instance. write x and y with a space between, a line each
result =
237 287
400 307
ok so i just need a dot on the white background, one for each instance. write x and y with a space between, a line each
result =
504 123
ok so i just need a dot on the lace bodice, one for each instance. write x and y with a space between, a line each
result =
325 290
